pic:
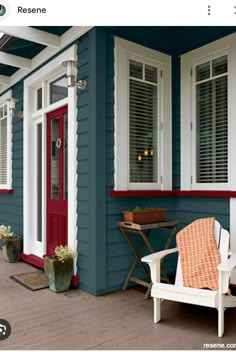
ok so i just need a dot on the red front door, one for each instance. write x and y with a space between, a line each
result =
57 189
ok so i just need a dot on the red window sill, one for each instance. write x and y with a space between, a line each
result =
6 191
141 193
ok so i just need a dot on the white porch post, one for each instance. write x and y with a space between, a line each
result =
72 170
28 179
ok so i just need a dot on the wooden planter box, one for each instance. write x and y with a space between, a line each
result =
148 216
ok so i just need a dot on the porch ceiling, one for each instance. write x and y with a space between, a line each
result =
173 41
20 46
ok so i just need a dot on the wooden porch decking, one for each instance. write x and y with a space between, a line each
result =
121 320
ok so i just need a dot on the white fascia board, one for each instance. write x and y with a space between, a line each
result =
16 61
4 80
67 38
33 35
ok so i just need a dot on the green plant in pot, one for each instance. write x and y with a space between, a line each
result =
59 268
11 244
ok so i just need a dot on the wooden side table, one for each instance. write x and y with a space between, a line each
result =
144 231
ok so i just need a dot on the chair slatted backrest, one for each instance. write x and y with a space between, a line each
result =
222 240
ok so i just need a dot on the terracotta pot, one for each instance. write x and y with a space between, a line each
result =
148 216
58 274
12 248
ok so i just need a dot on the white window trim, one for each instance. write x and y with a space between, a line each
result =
5 98
188 61
31 118
123 51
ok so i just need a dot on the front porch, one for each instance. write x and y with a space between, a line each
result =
121 320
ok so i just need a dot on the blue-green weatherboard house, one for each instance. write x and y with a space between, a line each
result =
155 125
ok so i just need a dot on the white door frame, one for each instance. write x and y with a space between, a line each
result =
31 118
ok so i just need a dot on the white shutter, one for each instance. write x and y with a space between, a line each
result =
143 107
212 122
3 146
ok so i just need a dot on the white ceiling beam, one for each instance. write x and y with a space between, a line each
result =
33 35
16 61
5 80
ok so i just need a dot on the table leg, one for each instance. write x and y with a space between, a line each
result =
170 238
164 275
145 238
137 254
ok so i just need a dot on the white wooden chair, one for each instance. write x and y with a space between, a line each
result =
203 297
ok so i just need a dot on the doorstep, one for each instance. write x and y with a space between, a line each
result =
33 260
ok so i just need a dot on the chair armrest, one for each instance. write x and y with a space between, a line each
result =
154 261
228 265
152 258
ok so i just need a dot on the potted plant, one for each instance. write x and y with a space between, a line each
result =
59 268
11 244
144 215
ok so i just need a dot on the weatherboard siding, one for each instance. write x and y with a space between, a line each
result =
83 165
184 209
91 163
11 205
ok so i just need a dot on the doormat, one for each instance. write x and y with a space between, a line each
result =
34 281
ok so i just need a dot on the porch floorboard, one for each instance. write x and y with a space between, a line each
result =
75 320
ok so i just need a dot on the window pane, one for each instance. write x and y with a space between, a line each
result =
58 90
212 131
219 65
55 145
143 132
136 69
39 182
150 73
203 71
39 99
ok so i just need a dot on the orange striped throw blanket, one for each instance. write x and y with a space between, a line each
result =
199 254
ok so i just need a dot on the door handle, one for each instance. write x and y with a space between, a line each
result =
58 143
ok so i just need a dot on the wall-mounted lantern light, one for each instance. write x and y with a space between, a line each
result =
71 82
12 107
